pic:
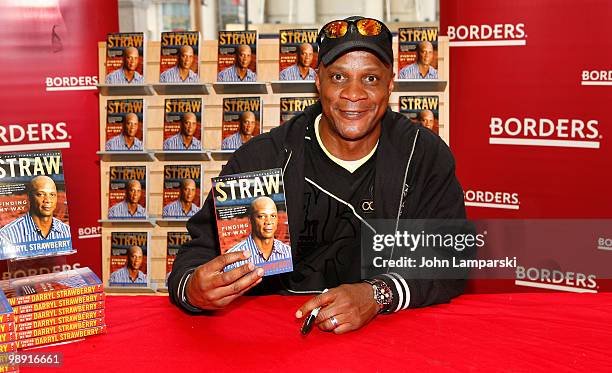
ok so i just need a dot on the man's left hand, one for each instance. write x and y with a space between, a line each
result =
351 305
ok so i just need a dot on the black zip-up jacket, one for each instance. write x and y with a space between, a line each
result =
415 178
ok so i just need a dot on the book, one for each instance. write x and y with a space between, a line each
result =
60 328
7 314
58 303
182 194
241 121
237 56
8 326
183 124
298 53
55 312
417 56
60 320
61 337
128 260
125 56
174 241
125 125
51 286
178 61
292 106
127 192
10 346
421 110
8 337
251 215
33 205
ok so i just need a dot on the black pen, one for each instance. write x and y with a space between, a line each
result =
309 322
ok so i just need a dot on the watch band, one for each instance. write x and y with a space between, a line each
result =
383 295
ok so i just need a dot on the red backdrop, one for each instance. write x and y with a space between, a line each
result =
49 59
521 64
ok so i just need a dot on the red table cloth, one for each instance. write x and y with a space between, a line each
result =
484 332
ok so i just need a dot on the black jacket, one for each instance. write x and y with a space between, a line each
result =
415 178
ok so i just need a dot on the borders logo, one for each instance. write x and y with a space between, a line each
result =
498 35
493 200
542 278
565 133
596 77
70 83
33 136
604 244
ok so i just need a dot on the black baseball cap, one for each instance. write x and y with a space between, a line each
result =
332 48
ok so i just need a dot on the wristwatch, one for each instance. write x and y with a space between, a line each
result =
382 293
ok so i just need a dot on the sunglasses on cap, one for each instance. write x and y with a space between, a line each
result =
365 27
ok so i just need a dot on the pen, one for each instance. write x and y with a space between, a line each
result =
309 322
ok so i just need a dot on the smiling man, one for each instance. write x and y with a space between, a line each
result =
181 73
346 159
127 74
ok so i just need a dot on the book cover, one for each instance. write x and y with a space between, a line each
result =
56 312
421 110
61 337
128 260
51 286
125 125
237 56
252 215
241 121
64 302
183 124
127 192
60 328
298 53
125 58
33 205
418 53
182 194
61 320
7 314
292 106
178 61
174 241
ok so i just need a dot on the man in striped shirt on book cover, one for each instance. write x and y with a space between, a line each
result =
301 70
239 71
422 68
131 273
245 132
38 224
127 74
262 245
185 139
129 207
181 73
183 207
127 139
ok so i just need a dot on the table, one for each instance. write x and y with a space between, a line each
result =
483 332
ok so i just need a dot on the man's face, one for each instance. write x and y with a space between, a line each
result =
130 125
135 258
186 57
425 53
130 60
243 56
354 92
43 198
264 219
247 124
305 55
427 119
188 191
189 124
133 192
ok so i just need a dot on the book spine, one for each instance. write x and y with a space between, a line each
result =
7 337
61 337
55 312
7 317
56 294
64 302
8 347
59 320
7 327
60 328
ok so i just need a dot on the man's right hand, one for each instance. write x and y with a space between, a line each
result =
210 288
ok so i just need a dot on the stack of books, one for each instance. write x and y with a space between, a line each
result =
8 343
55 308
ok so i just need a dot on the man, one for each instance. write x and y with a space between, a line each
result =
127 74
261 244
422 68
183 206
426 119
181 73
239 71
126 140
131 273
38 224
301 70
185 139
129 207
347 148
246 131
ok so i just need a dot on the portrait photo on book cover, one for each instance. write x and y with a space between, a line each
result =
124 58
128 261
